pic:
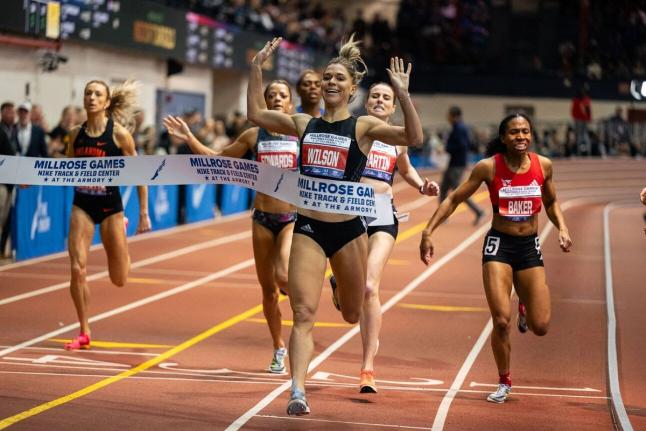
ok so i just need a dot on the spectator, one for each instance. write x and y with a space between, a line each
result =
38 118
9 146
457 147
59 137
144 136
6 149
31 138
618 134
582 115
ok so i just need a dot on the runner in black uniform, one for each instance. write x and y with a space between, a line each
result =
101 136
334 146
273 219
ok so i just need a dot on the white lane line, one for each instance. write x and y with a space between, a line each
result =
540 388
342 422
238 423
618 410
91 352
151 260
164 376
133 305
136 238
443 410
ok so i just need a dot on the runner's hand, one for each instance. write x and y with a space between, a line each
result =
177 128
426 248
399 76
144 223
642 196
266 51
430 188
564 240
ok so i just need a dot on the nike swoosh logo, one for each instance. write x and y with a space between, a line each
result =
100 144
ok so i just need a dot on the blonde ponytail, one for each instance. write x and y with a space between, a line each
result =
123 101
350 58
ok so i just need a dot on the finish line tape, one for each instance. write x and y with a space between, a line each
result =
341 197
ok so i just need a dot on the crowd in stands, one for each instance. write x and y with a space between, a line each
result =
599 39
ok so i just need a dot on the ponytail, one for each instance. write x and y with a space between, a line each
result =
350 58
494 147
122 104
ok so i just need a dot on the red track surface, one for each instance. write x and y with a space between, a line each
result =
560 381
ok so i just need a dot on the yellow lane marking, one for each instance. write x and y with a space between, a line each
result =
150 280
398 262
318 324
478 197
4 423
443 307
117 345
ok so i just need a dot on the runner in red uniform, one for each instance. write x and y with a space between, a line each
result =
519 183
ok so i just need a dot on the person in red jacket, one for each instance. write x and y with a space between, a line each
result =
582 115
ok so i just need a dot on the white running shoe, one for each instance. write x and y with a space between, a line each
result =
297 405
500 395
277 365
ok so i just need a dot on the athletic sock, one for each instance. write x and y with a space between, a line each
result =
505 379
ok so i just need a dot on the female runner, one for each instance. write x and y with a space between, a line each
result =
379 173
103 135
273 219
518 182
334 146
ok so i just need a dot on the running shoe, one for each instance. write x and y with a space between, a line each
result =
335 300
81 342
277 365
297 405
500 395
367 383
521 320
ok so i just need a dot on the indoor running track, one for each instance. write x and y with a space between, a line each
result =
184 344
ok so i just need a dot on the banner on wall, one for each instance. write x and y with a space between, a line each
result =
43 230
199 202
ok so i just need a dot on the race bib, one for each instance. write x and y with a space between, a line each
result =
519 202
381 162
280 154
325 155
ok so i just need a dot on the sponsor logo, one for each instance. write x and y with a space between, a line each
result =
307 228
100 144
40 222
280 180
125 197
506 183
162 206
198 194
159 169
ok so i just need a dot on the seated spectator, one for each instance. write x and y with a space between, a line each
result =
59 137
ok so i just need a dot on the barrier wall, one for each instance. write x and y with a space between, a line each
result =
40 216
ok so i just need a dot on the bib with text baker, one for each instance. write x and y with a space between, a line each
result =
517 196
